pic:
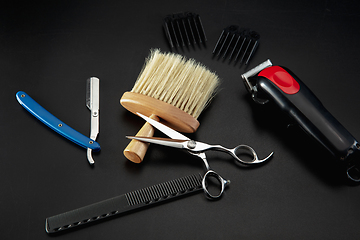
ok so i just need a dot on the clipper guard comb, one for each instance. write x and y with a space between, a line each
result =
184 29
237 43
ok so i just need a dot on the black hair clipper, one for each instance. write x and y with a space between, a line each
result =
278 84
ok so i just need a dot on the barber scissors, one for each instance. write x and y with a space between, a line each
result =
198 149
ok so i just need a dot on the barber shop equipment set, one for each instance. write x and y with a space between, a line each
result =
170 94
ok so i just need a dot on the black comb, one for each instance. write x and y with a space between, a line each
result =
124 203
237 43
184 29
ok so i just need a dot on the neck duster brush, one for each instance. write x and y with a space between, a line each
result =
170 89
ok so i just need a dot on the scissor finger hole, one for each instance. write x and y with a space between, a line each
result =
213 184
246 154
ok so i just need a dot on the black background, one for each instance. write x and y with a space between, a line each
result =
48 49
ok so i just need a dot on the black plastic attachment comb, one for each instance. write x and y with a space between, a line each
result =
184 29
238 43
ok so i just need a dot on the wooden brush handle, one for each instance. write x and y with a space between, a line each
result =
170 115
136 150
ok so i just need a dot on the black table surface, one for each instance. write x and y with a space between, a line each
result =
49 49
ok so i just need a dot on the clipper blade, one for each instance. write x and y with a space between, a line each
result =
238 44
184 29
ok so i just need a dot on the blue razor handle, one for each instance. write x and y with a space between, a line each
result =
54 123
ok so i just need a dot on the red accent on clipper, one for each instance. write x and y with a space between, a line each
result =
281 78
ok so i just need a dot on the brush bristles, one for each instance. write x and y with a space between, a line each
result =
173 79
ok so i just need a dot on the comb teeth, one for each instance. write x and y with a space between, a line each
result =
163 190
184 29
237 43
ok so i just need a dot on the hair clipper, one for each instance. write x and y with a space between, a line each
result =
278 84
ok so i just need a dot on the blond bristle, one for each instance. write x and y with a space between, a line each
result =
173 79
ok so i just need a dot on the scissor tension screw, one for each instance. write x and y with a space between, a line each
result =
191 144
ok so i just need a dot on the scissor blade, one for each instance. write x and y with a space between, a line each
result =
164 129
176 143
